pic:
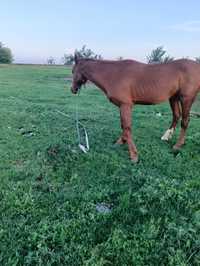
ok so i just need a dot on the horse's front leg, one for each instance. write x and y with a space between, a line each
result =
125 114
120 140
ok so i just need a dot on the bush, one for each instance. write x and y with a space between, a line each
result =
197 59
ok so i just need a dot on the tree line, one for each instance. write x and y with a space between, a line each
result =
157 56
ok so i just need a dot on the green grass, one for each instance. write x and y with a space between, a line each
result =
49 189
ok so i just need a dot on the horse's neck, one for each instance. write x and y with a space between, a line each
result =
95 73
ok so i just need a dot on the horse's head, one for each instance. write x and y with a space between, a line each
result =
78 78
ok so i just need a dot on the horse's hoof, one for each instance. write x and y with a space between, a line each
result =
134 159
119 142
176 148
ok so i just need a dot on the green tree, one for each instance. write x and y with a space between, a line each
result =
68 59
84 52
51 61
5 54
159 55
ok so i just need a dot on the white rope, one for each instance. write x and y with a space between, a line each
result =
84 147
58 111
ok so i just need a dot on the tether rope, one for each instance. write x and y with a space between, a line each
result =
84 147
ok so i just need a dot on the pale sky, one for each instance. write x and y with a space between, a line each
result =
35 30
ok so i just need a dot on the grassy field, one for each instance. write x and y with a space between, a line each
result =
51 193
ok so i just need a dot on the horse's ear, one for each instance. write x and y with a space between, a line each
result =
76 58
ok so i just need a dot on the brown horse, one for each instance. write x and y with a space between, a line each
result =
129 82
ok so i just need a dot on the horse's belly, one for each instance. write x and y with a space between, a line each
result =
150 100
155 91
155 96
144 103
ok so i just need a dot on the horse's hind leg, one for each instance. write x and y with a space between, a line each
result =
186 103
176 112
125 114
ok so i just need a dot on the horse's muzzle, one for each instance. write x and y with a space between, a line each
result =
74 90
